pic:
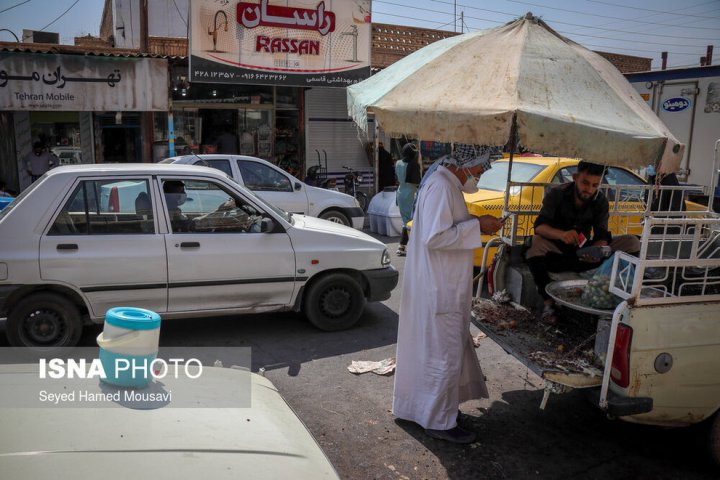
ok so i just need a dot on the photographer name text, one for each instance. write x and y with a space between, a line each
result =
86 396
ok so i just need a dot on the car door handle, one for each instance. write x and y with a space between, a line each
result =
189 244
67 246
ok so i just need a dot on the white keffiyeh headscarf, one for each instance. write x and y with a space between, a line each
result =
466 155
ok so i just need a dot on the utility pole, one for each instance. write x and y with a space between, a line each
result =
455 16
143 26
147 121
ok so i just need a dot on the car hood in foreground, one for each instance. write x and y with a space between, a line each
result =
264 441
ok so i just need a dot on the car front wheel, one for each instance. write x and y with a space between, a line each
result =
44 320
336 217
334 302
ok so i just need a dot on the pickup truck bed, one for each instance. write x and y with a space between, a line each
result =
567 353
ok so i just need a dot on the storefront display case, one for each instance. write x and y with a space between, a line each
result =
266 120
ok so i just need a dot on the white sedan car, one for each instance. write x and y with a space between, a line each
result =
180 240
281 189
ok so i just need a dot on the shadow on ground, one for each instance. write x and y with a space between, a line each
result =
277 340
517 440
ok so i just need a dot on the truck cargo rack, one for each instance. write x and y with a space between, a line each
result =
626 216
679 262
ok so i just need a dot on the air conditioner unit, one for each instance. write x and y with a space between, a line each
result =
34 36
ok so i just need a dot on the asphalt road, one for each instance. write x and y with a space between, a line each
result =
350 416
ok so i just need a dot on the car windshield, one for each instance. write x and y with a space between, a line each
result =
496 178
285 215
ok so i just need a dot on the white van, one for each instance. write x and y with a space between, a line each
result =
181 240
279 188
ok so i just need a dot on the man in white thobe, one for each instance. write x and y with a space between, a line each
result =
437 367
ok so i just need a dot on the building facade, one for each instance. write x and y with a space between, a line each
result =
293 126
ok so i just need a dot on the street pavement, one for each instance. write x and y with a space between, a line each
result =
350 415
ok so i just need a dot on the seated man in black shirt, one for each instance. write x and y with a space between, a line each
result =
570 214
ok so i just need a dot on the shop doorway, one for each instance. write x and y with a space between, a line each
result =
218 126
120 137
121 144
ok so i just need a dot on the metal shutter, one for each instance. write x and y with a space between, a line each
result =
329 129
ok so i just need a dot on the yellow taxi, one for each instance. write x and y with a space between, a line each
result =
627 204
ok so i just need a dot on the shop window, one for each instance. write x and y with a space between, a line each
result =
287 97
287 141
256 133
188 130
60 132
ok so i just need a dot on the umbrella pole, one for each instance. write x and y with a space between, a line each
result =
513 146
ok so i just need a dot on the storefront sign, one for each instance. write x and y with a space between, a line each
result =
280 42
35 81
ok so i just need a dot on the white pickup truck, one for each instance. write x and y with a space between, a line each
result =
661 343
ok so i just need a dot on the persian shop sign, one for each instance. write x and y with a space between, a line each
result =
252 15
280 42
36 81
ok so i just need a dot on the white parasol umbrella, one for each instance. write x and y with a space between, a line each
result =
563 98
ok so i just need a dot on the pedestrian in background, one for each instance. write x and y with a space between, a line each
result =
437 367
386 168
38 161
409 173
227 142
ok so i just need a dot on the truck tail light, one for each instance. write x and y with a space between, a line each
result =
114 201
620 367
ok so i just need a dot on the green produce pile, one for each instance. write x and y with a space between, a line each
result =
597 295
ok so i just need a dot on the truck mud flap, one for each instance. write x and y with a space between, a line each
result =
623 406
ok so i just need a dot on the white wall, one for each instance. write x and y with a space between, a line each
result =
126 16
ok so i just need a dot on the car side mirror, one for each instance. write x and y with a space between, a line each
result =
267 225
298 186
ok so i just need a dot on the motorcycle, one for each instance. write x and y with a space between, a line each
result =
351 181
317 175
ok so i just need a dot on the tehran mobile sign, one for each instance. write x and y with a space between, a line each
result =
280 42
38 81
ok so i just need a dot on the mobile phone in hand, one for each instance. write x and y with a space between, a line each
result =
581 240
